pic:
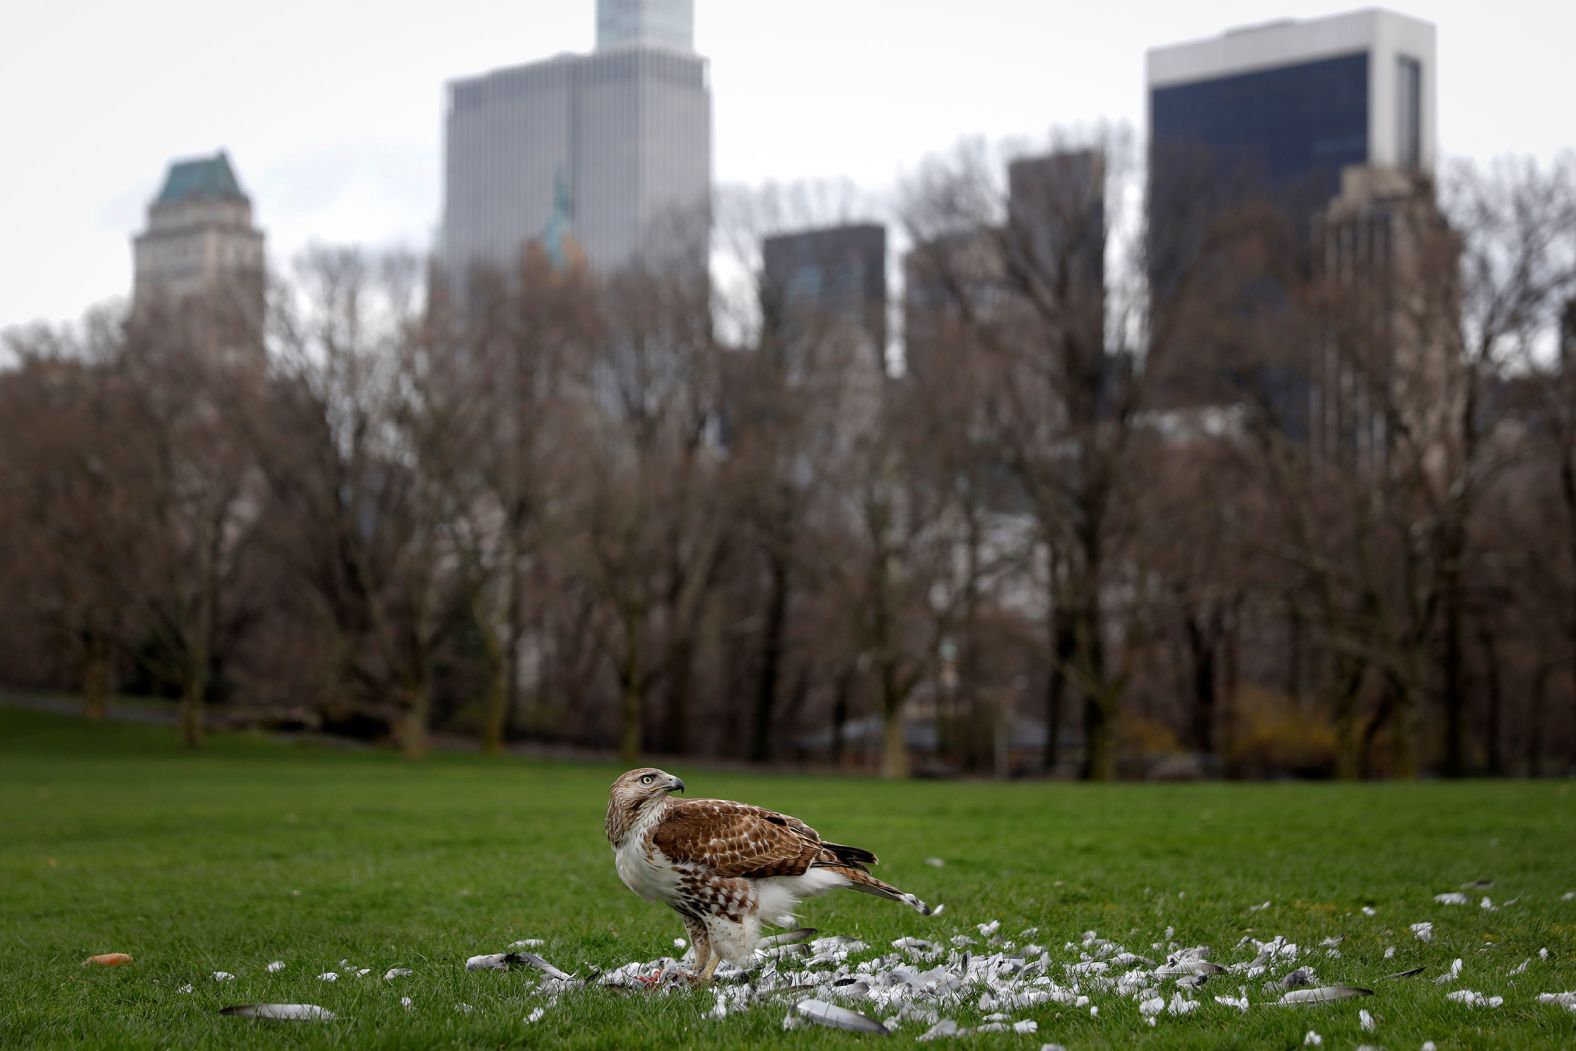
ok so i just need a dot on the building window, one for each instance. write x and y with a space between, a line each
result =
1409 128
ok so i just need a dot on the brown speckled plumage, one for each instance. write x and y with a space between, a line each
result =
719 862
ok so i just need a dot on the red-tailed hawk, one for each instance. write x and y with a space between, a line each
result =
725 867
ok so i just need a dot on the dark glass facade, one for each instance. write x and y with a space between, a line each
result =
1279 136
819 274
1282 128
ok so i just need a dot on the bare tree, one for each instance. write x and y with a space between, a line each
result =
1023 275
652 534
69 529
350 451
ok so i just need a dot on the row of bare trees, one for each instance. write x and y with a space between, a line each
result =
1305 506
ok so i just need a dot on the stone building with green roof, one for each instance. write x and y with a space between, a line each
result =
200 240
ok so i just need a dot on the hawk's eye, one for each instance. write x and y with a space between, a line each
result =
648 779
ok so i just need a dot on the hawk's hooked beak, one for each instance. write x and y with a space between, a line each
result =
676 785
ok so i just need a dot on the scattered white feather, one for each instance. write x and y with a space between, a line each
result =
1522 966
1259 908
277 965
1312 1039
935 862
1487 905
1565 1000
1450 975
328 976
535 1015
223 976
1454 897
526 943
283 1012
835 1017
1423 932
493 961
1366 1020
1369 910
937 910
1474 999
185 988
944 1028
397 972
1323 994
407 1003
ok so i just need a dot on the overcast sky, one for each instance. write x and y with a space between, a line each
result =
332 110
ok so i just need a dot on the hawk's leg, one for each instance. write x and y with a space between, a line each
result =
702 942
710 968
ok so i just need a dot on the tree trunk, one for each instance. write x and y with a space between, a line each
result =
1231 678
496 710
1491 673
1063 643
1349 746
95 676
1099 741
771 657
191 709
514 635
495 702
1100 702
894 749
411 728
1453 663
1540 685
629 718
845 686
1403 743
1201 650
681 668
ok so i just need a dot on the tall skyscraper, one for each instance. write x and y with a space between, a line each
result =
1054 236
815 281
1388 260
615 146
1274 112
200 238
653 23
1056 212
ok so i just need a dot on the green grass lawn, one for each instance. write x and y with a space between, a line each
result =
111 839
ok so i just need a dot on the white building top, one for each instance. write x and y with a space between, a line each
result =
666 24
1393 42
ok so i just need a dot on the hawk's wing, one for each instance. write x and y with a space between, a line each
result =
736 839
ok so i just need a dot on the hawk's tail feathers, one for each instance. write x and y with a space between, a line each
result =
865 883
857 856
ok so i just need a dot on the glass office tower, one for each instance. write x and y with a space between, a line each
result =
611 150
1275 112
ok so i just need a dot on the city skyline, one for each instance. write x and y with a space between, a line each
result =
612 147
345 147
